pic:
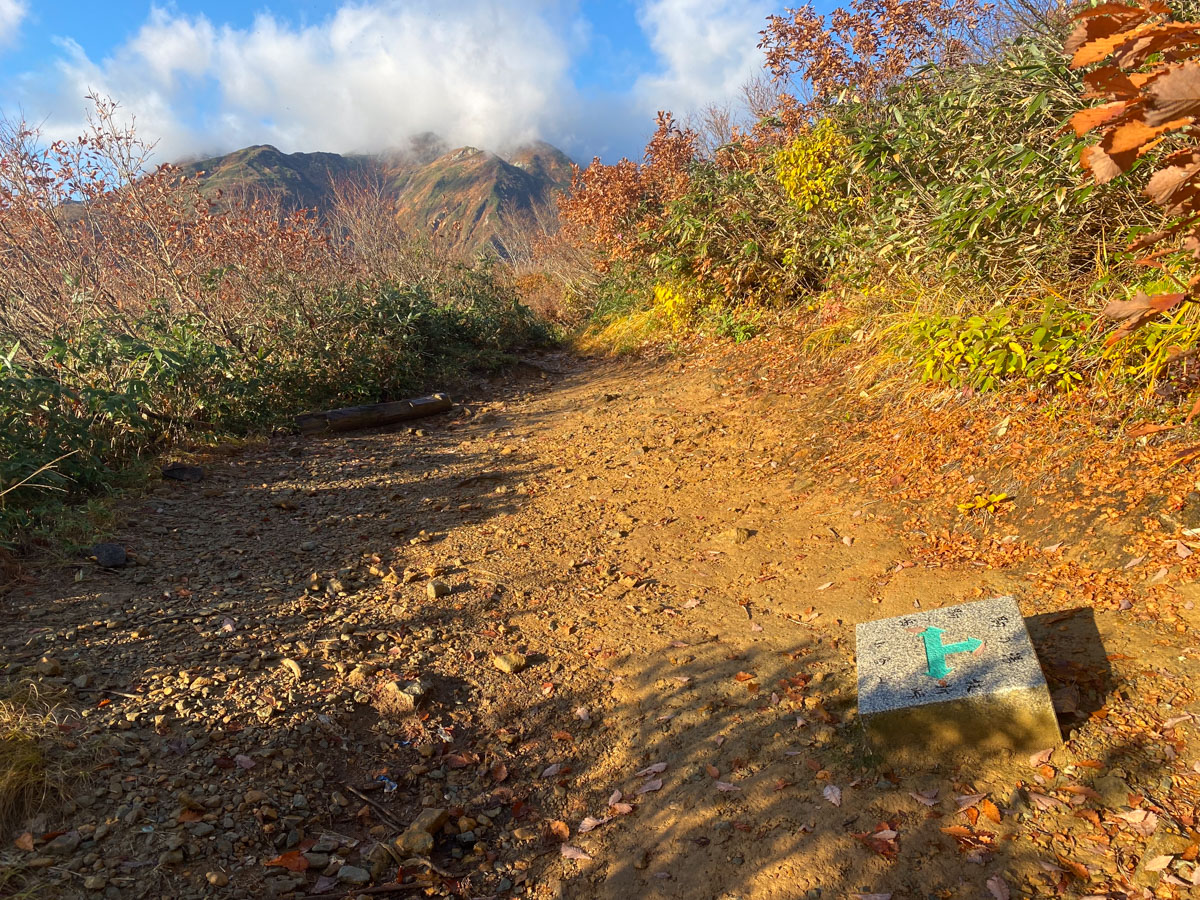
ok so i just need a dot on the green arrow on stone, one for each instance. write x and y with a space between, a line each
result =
935 650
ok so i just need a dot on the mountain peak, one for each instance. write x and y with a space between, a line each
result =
468 195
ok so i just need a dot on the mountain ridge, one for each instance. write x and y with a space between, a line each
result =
467 196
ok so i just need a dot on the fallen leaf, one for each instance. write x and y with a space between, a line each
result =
499 772
653 785
989 809
243 761
1041 758
615 798
552 770
569 852
825 586
652 770
928 798
998 887
1158 863
726 787
293 861
622 809
25 841
713 771
590 823
833 794
968 800
1044 802
559 829
1079 870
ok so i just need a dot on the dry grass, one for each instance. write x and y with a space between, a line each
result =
36 755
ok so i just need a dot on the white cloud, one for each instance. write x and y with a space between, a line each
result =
12 14
481 72
708 49
489 73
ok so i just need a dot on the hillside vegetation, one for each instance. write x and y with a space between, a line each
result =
139 315
923 203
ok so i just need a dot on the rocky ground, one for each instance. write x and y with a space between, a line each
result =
591 634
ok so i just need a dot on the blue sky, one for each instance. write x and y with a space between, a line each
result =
206 76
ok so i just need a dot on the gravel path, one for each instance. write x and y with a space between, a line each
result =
588 635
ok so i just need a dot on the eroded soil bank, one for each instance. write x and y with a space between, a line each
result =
680 552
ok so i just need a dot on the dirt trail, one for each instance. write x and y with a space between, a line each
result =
245 687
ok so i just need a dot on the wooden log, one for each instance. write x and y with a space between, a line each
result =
372 415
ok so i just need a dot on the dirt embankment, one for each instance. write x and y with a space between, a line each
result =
655 572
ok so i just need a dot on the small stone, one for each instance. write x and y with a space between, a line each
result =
182 472
737 535
95 882
170 858
109 555
203 829
49 667
436 588
418 839
353 875
1114 792
292 666
510 663
525 833
309 546
64 844
326 843
217 878
254 797
82 681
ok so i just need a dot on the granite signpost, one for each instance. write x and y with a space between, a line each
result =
959 681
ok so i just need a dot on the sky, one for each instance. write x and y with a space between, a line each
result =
208 76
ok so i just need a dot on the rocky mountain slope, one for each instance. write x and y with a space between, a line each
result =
469 197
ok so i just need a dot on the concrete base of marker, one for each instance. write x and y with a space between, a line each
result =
1019 722
956 682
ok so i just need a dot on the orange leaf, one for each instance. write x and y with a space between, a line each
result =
293 861
742 676
958 831
190 815
559 830
990 810
1077 869
25 842
1136 432
1087 119
972 815
712 771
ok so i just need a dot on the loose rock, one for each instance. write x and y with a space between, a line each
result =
510 663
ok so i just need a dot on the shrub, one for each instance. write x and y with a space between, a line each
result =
985 351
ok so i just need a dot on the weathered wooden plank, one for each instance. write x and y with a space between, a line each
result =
372 415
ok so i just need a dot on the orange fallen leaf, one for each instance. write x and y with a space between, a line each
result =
293 861
559 830
25 842
989 809
1079 870
713 771
190 815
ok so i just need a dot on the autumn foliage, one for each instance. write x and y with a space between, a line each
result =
616 207
1146 67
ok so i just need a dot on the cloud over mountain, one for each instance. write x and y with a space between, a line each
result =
375 72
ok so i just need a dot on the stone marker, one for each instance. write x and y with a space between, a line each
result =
960 681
